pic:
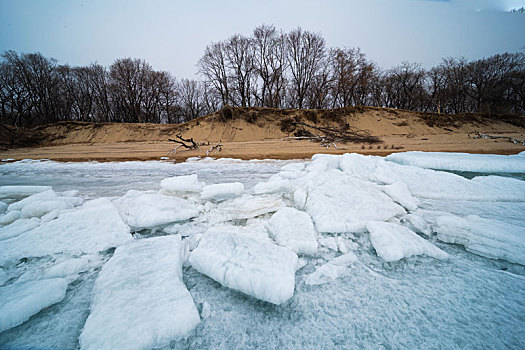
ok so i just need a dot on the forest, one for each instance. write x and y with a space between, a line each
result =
269 68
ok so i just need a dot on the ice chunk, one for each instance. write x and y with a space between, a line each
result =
330 271
3 206
247 207
42 203
293 229
393 242
20 301
344 204
419 224
486 237
21 191
398 191
18 227
94 227
329 242
262 270
139 299
69 267
274 185
9 217
148 210
220 192
182 184
299 198
485 163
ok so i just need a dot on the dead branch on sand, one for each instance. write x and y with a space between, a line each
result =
186 143
216 148
480 135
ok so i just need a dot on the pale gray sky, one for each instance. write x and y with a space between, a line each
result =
172 35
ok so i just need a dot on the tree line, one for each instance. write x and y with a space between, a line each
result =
270 68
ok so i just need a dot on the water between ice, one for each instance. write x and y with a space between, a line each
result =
467 301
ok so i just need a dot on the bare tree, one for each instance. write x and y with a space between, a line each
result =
212 66
306 52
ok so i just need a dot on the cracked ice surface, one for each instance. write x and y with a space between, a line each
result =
355 214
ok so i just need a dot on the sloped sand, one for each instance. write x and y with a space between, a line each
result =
250 133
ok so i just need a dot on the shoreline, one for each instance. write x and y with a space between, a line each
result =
260 149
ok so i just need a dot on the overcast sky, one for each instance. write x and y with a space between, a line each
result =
172 35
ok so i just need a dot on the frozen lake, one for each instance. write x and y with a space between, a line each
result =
399 256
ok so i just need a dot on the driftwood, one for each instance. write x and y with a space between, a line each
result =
480 135
186 143
217 147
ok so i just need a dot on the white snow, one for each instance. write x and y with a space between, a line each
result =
399 193
220 192
393 242
139 299
20 301
148 210
485 163
486 237
262 270
293 229
94 227
69 267
182 184
9 217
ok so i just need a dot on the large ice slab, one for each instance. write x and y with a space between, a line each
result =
293 229
182 184
393 242
263 270
220 192
94 227
148 210
486 237
341 203
331 271
20 301
246 207
18 227
139 299
483 163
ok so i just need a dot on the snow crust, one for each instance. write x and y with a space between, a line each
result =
487 163
20 301
262 270
94 227
393 242
139 299
293 229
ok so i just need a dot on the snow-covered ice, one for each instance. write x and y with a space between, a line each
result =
365 211
293 229
182 184
94 227
20 301
220 192
139 299
148 210
393 242
486 237
482 163
262 270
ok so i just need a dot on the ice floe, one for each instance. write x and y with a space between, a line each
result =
293 229
262 270
220 192
393 242
182 184
485 163
94 227
148 210
139 299
332 270
20 301
487 237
